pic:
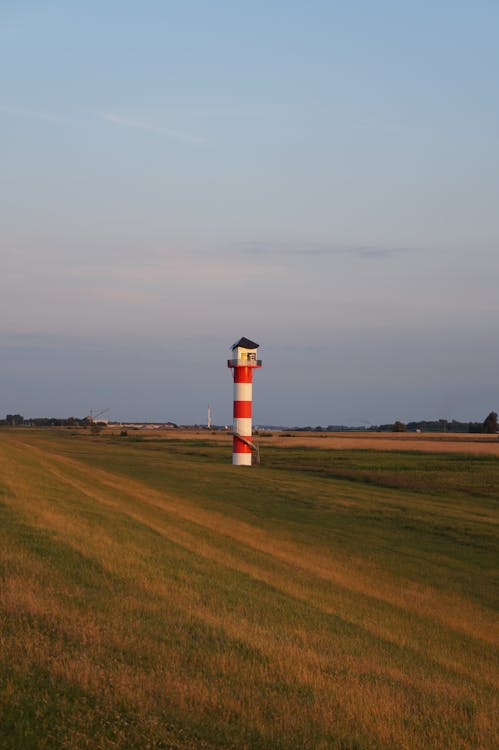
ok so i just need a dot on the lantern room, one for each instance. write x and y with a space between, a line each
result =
244 354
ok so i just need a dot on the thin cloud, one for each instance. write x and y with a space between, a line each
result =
33 115
116 120
192 270
305 249
109 118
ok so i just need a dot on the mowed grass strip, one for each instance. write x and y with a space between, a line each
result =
157 599
440 535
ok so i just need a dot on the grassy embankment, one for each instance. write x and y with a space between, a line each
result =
153 596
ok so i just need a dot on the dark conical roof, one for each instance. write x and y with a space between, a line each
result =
246 343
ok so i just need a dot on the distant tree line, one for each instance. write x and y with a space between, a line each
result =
13 420
489 426
490 423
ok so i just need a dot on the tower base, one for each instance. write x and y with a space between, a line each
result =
241 459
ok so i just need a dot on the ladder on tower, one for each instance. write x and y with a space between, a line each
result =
254 447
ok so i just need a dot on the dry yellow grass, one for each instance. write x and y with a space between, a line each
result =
441 442
299 645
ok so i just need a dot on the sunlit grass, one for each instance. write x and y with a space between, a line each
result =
155 597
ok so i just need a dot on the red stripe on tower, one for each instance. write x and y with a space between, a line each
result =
244 361
242 409
243 373
239 446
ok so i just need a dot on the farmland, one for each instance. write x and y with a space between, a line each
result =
335 597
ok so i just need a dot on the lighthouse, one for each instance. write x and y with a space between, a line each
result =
243 362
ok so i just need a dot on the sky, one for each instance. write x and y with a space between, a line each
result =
321 177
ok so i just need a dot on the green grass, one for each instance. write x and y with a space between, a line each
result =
154 596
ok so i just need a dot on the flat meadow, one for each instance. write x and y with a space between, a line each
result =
152 596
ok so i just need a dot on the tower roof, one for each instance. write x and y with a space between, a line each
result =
246 343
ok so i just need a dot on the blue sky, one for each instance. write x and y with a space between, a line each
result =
322 177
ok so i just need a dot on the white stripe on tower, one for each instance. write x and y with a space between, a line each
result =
243 391
242 426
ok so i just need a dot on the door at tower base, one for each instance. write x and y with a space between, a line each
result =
243 362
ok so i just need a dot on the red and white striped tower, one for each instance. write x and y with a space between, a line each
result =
243 363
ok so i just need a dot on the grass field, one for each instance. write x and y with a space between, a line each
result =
154 596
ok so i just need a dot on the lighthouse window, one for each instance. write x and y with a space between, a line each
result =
251 355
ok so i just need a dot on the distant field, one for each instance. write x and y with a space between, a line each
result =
441 442
154 596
